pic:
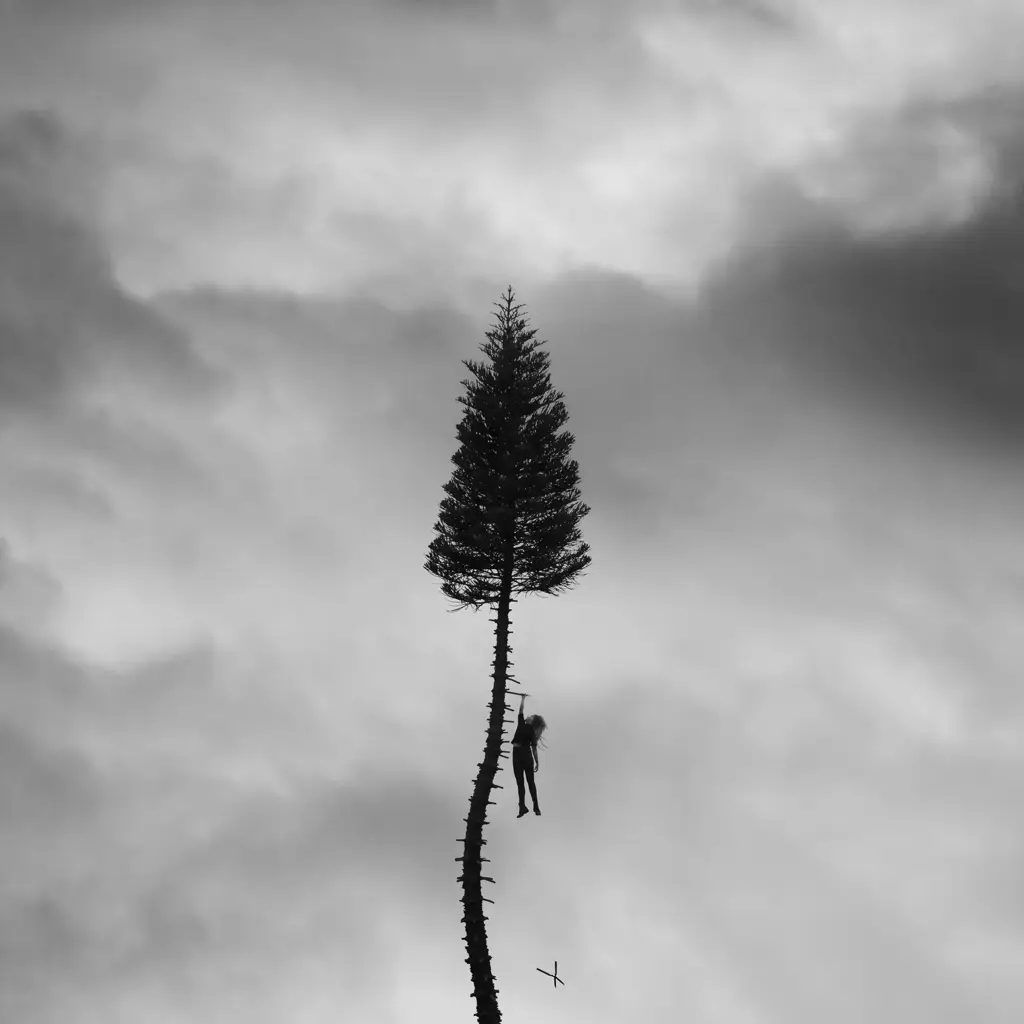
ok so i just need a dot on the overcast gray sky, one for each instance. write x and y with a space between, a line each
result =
777 251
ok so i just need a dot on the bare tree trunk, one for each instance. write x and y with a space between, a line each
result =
479 958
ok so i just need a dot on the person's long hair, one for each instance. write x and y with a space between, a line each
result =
537 723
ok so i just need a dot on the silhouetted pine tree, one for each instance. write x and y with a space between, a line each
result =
509 525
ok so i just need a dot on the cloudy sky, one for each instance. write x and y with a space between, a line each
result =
777 250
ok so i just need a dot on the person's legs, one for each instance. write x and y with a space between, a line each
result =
533 788
517 767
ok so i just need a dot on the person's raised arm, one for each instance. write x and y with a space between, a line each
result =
522 701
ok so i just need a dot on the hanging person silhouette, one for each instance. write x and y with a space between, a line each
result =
524 755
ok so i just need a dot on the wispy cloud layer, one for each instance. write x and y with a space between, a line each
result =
329 148
775 252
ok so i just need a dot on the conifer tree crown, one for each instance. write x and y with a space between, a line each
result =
512 505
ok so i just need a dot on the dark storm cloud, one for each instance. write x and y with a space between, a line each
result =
922 324
89 375
65 323
927 326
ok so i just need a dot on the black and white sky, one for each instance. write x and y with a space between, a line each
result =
777 252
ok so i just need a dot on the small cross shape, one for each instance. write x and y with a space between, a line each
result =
557 980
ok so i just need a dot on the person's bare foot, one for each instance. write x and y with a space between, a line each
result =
522 811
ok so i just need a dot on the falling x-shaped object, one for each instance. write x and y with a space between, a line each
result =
557 980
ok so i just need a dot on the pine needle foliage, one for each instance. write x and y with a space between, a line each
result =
514 495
